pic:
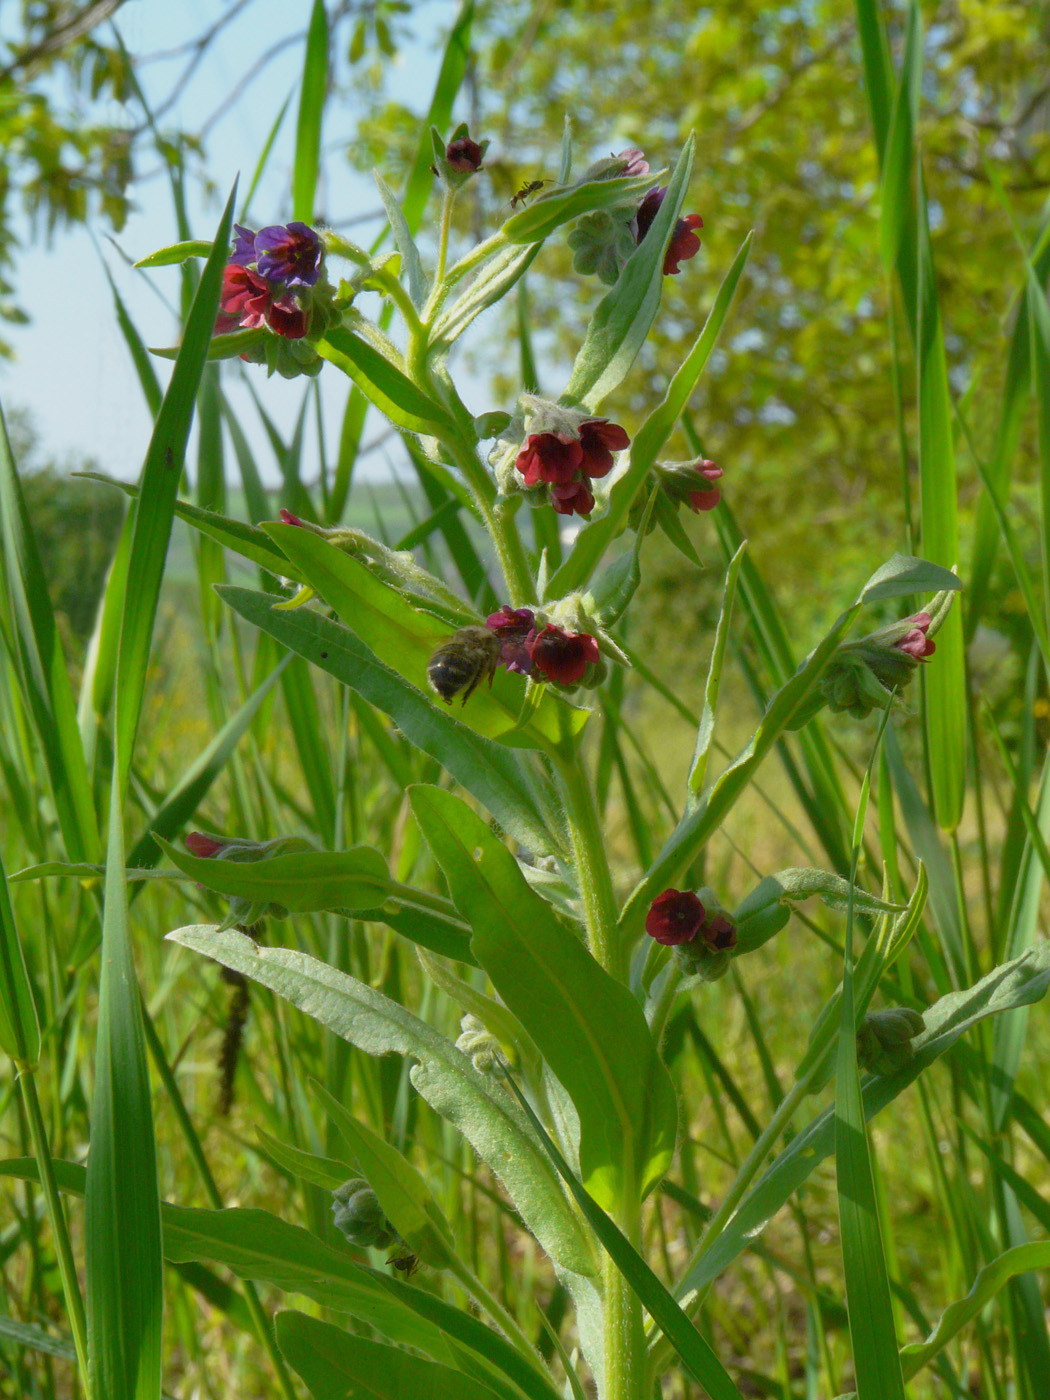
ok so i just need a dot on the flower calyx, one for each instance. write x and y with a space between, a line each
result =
884 1039
478 1043
458 159
693 484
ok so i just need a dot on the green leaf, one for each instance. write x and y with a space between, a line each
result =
495 776
1020 1260
325 1172
454 62
491 285
155 507
444 1076
697 1356
404 1196
406 244
19 1026
624 316
122 1229
594 539
339 1366
589 1028
705 732
176 253
548 211
303 881
1020 983
312 93
46 692
383 383
405 637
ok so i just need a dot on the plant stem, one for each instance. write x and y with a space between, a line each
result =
496 1311
63 1248
624 1357
446 226
588 854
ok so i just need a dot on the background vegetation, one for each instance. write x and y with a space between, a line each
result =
810 405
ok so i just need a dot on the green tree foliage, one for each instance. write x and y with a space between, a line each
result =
805 394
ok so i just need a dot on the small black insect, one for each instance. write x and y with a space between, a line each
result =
530 187
463 661
406 1264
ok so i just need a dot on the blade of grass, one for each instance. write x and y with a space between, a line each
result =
312 92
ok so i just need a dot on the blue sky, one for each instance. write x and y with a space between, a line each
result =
72 369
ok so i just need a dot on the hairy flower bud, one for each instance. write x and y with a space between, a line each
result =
357 1214
477 1041
884 1039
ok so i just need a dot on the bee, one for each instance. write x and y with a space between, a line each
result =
406 1264
530 187
463 661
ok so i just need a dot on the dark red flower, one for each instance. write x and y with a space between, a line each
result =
718 931
573 498
464 155
288 318
563 656
684 243
200 844
600 439
289 518
706 499
514 627
289 254
916 644
549 457
675 917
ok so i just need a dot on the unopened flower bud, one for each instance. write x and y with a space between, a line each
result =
357 1214
244 912
464 155
477 1041
884 1040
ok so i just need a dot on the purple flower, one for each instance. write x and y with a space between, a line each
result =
244 246
289 253
562 656
916 644
636 161
464 155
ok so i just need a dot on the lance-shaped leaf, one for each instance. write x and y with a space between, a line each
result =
303 881
494 775
594 539
339 1366
1019 983
19 1027
550 210
402 1193
383 383
589 1028
902 574
444 1076
405 637
621 323
756 917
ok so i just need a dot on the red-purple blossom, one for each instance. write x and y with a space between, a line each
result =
674 917
563 656
198 843
916 644
289 254
247 301
718 931
514 627
684 243
464 155
636 161
575 498
706 498
600 439
550 457
289 518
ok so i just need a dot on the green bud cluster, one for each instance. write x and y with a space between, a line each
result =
884 1040
357 1214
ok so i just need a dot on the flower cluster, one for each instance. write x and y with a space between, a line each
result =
603 241
566 658
274 282
569 463
703 936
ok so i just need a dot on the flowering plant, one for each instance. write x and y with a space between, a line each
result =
571 971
